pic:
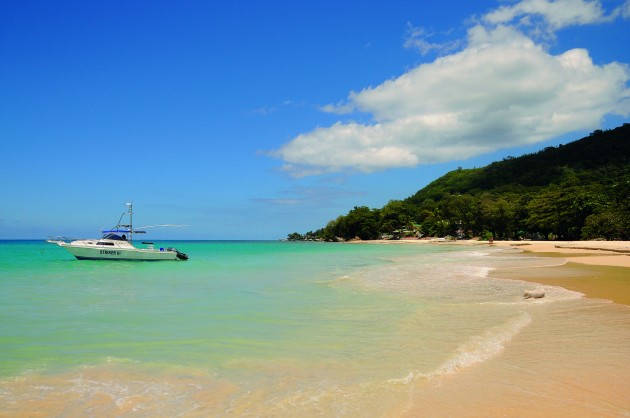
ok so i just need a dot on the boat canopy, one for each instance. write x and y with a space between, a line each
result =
122 231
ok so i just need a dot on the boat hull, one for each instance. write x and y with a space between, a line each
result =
137 254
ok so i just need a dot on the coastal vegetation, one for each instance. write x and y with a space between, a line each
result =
580 190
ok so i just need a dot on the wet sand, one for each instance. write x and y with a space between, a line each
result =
598 269
552 370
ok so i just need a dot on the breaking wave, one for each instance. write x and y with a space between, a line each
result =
476 350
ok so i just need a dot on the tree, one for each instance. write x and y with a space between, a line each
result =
609 225
497 215
460 211
396 215
295 236
562 210
361 222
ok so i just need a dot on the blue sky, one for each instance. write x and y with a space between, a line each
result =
251 120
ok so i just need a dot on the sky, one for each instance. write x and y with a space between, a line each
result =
253 120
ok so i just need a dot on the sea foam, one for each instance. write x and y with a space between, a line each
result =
484 347
476 350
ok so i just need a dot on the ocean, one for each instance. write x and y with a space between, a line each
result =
297 329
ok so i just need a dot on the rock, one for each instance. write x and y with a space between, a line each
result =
536 294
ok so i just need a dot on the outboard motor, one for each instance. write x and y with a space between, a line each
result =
180 255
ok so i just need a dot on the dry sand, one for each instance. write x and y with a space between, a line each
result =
600 253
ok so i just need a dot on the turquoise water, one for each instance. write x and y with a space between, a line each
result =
232 299
254 328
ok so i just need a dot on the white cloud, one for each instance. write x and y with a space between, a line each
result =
502 90
339 108
624 10
558 14
418 38
312 197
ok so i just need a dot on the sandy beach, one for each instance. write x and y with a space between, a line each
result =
541 365
603 253
598 269
600 253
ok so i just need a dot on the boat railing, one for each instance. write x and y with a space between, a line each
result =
58 238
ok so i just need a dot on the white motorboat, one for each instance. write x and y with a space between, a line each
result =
117 244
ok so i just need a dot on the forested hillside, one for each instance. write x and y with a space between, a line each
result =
580 190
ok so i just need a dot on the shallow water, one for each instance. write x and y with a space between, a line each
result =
298 329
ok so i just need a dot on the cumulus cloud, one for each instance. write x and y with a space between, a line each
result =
558 14
501 90
541 19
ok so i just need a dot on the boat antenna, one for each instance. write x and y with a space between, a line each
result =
161 226
130 206
120 219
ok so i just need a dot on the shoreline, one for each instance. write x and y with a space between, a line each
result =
566 364
603 253
597 269
594 253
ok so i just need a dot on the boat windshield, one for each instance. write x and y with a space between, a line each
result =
113 237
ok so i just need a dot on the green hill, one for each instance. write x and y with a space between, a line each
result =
597 158
580 190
